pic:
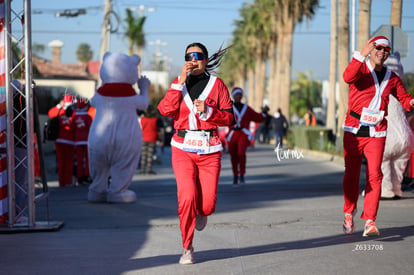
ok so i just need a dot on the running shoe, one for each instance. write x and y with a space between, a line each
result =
370 229
242 179
349 226
188 256
201 222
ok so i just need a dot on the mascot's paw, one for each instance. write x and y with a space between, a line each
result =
144 84
95 197
126 196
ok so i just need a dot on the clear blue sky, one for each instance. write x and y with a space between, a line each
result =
181 22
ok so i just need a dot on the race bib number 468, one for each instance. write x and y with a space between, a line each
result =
196 142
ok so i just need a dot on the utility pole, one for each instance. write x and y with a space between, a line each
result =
106 28
158 43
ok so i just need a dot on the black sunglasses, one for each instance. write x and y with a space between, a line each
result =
195 55
378 48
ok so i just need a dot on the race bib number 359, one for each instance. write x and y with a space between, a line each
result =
371 117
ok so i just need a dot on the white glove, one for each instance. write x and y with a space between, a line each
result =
144 84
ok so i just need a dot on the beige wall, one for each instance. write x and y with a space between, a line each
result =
83 88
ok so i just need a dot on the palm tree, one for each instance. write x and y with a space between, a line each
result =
267 27
331 110
135 32
233 69
305 92
84 53
38 48
343 60
261 39
292 12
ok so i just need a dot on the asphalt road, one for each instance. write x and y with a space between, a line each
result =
286 219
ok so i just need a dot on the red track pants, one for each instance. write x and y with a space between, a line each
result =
373 149
237 149
82 160
197 179
65 154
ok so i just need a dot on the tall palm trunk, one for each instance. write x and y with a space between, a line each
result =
275 90
364 22
343 61
396 11
260 83
250 85
331 110
285 65
271 95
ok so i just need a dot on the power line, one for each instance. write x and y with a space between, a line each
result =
179 33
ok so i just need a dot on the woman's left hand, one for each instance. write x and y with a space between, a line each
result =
200 105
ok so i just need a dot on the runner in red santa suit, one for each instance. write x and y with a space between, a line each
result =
365 128
239 136
81 123
64 144
199 103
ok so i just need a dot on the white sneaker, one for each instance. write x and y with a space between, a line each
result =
370 229
201 222
188 256
349 226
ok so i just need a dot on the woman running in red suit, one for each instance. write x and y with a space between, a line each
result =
365 128
239 136
199 103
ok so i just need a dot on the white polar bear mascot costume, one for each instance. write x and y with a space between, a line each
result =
115 136
399 143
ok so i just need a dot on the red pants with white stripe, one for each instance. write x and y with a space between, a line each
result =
237 149
197 179
373 149
65 154
82 161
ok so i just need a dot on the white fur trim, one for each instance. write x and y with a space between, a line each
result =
357 55
382 42
177 87
236 91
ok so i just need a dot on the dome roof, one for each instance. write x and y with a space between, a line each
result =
55 43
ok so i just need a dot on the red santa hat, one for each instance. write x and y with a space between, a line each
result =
236 91
67 100
381 40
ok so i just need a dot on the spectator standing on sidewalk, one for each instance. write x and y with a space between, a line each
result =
310 118
263 131
199 103
365 128
281 126
150 126
239 136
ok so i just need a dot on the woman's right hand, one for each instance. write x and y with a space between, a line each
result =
186 70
